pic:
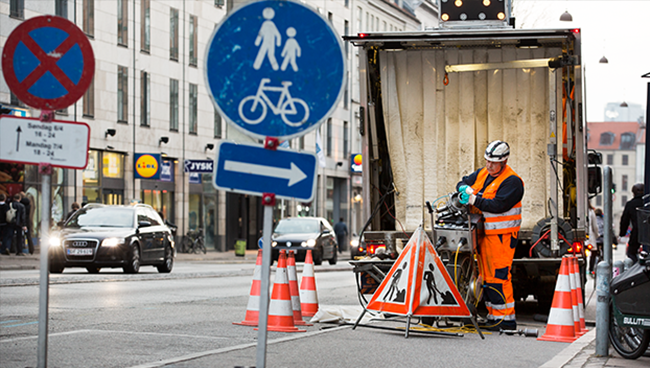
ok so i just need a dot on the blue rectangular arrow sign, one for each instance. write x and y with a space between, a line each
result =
249 169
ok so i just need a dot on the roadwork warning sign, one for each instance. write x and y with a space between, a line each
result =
418 284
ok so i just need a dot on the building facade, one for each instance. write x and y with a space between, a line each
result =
621 145
148 96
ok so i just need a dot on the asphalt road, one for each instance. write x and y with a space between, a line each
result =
184 319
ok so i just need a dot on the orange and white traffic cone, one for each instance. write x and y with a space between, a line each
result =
253 308
295 294
280 312
560 326
574 298
581 306
308 294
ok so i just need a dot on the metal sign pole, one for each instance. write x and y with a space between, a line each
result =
45 170
268 200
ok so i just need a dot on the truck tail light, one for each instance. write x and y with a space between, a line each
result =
372 248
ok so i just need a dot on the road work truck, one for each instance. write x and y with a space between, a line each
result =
432 100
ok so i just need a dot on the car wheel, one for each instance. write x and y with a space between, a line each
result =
133 260
56 268
334 258
168 262
93 269
317 256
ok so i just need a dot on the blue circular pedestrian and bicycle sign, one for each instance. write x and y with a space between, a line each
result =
275 69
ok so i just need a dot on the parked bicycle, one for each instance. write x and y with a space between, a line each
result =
193 242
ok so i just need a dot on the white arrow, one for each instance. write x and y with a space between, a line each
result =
294 174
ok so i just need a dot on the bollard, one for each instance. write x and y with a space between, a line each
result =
627 264
603 270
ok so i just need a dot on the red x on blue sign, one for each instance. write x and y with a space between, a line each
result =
48 62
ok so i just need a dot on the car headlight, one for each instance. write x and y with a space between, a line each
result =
273 244
55 241
354 242
309 243
112 242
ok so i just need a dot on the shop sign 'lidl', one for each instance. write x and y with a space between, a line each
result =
147 166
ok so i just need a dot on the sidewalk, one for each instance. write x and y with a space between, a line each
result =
32 262
581 354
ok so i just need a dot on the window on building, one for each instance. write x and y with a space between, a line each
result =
17 9
346 139
610 159
88 21
359 19
194 95
599 200
122 94
301 143
145 99
61 8
89 100
330 17
14 101
627 140
624 183
173 105
217 124
173 34
623 200
219 3
346 96
384 25
193 39
346 3
328 150
122 22
346 31
145 26
607 139
625 160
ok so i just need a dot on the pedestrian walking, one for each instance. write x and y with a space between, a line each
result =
17 224
629 219
341 231
29 223
6 229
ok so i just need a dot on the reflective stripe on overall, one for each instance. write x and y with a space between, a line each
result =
497 249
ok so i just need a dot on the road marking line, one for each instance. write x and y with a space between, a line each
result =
183 358
21 324
117 332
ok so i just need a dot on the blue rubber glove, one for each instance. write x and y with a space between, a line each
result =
463 188
464 198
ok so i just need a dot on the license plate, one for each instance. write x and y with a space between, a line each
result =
80 252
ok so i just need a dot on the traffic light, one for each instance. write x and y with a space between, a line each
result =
613 188
468 10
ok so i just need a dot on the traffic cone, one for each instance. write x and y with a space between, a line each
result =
295 294
280 312
560 326
253 308
574 298
308 294
581 306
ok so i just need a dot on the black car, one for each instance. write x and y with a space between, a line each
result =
305 233
99 236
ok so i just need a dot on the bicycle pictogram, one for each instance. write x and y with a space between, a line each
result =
287 106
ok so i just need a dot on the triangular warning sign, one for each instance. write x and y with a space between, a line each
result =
418 284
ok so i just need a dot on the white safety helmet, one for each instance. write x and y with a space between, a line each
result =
497 151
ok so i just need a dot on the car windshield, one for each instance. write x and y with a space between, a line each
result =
102 217
298 226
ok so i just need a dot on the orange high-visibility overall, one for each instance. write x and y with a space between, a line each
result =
497 250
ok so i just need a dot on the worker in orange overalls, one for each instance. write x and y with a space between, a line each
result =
496 191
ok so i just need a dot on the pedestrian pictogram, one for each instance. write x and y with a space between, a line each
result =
48 62
418 284
275 69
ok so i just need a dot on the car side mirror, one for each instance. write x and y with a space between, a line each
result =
144 223
594 180
326 231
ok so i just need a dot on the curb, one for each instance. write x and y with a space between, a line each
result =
571 351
